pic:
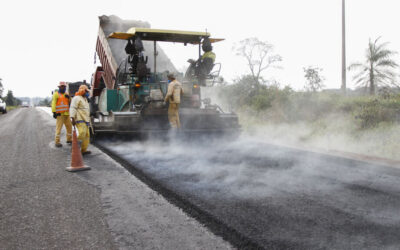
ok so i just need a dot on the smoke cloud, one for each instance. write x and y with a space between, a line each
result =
250 168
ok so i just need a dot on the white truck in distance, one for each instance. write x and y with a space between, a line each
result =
3 107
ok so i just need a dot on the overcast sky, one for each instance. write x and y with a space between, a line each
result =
44 42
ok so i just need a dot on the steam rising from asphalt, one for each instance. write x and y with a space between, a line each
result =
209 165
248 168
247 165
334 131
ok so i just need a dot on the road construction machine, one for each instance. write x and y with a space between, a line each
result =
129 87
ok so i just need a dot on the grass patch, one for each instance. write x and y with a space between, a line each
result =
9 108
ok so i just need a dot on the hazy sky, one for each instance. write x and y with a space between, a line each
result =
44 42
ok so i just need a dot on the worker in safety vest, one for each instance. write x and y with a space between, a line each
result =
60 109
204 65
80 117
173 96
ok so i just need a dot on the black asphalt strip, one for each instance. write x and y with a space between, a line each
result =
211 222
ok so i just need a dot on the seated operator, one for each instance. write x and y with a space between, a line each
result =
133 57
204 65
136 59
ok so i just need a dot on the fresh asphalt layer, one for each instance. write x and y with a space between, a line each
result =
275 197
42 206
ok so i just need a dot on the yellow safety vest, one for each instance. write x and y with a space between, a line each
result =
210 55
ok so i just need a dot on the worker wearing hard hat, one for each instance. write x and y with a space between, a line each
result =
207 59
80 117
60 107
173 96
203 66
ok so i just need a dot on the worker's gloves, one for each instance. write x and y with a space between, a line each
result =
66 96
55 115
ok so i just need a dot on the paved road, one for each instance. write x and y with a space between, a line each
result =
44 207
41 205
279 198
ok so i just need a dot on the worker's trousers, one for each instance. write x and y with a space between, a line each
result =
173 115
84 135
63 120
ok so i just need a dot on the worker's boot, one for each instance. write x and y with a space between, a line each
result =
69 142
58 145
87 152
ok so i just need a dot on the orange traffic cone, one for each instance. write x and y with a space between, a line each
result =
76 157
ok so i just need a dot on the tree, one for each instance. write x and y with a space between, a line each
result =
377 69
314 78
10 99
1 88
259 56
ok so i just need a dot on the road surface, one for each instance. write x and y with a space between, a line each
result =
276 197
42 206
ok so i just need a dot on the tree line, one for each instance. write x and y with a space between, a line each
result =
9 98
377 70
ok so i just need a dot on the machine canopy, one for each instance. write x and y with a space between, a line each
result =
164 35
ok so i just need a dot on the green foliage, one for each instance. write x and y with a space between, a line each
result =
270 103
11 100
9 108
247 92
372 112
240 93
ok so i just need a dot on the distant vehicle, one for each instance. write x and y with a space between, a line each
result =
25 105
3 107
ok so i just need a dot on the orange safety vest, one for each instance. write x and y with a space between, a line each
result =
62 104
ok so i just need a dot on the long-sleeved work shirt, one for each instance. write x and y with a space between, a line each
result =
174 92
79 109
56 95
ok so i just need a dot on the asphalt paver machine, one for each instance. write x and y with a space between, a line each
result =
129 87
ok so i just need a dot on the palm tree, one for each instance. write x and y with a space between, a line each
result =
377 69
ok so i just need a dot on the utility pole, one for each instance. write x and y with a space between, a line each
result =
343 47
